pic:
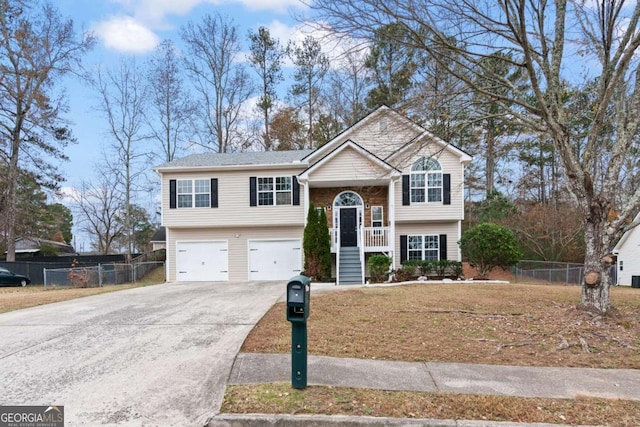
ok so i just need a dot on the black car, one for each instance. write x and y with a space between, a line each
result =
10 278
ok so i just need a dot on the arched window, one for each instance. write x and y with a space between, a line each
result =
348 198
426 180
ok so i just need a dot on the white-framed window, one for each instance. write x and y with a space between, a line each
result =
425 247
193 193
426 181
275 191
377 219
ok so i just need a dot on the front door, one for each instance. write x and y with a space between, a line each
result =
348 227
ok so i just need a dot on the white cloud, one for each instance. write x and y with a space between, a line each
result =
279 6
154 12
67 195
126 34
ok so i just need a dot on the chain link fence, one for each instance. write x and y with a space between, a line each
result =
97 276
554 272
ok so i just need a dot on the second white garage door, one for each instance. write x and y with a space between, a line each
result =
202 261
274 259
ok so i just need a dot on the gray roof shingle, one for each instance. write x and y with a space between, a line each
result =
234 159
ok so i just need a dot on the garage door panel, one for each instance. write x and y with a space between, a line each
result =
274 259
202 261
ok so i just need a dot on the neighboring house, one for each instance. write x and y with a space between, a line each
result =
159 239
627 251
33 246
386 184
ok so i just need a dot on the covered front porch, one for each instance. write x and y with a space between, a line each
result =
360 222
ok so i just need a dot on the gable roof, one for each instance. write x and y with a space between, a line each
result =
616 249
245 158
360 123
463 155
421 133
29 244
348 144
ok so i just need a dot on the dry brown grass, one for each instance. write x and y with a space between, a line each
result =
281 398
16 298
511 324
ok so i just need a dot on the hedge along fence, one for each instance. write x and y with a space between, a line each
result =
430 269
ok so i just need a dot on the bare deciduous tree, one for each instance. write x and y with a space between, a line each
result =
542 38
171 106
123 97
221 80
37 48
98 207
348 88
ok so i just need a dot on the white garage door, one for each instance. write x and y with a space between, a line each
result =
274 259
202 261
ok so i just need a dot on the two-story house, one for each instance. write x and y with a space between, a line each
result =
386 184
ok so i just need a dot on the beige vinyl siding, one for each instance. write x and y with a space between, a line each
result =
347 165
434 211
448 228
238 248
384 135
233 202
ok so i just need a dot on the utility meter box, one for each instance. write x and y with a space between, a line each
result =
298 292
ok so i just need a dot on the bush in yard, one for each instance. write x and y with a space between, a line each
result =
489 245
426 267
456 268
379 267
441 267
407 272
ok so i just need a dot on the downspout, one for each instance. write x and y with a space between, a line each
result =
392 221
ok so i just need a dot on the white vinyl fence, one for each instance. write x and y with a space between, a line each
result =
97 276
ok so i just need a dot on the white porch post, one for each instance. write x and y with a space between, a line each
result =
392 221
306 200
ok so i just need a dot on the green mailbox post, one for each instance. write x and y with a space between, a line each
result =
298 292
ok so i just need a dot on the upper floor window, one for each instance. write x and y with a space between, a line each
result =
274 191
194 193
426 181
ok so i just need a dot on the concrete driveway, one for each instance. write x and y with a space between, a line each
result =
158 355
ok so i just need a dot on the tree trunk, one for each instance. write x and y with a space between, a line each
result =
490 161
597 263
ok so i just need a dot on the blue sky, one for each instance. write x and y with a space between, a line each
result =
133 28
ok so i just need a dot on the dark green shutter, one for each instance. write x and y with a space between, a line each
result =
172 194
403 249
443 246
214 192
253 191
406 193
446 189
296 190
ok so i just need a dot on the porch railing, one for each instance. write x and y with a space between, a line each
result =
373 239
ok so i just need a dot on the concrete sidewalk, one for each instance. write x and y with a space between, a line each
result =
461 378
521 381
